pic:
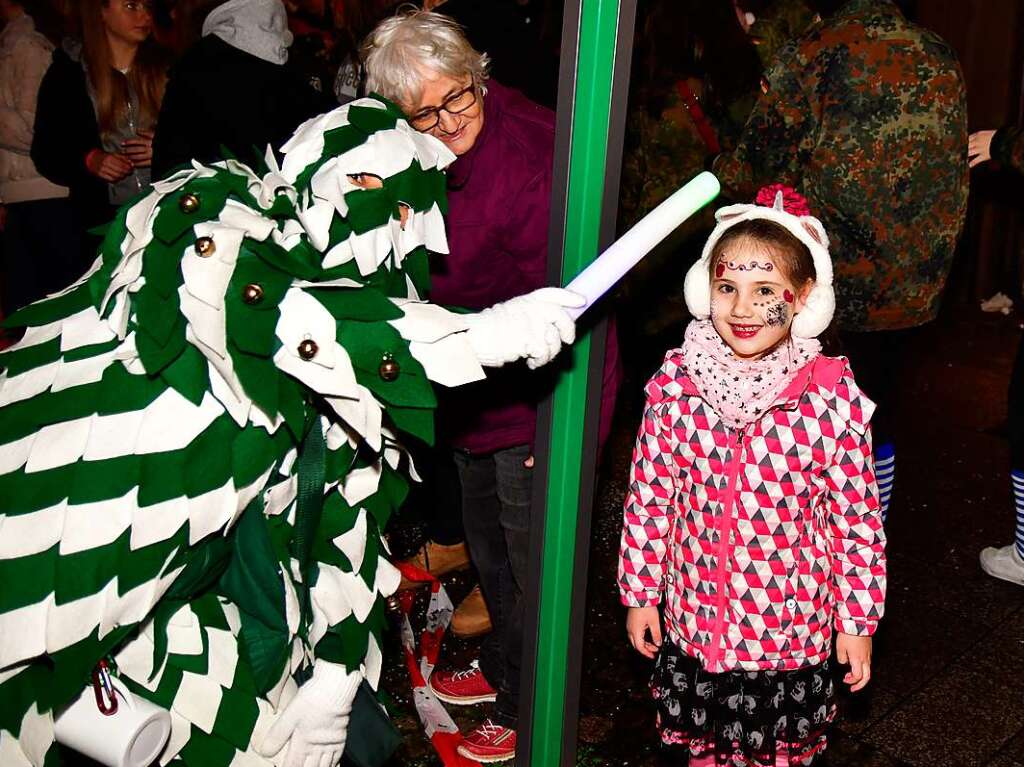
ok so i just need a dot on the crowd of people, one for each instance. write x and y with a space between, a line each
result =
753 545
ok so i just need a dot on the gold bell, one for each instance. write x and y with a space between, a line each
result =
308 349
189 202
205 247
252 293
389 368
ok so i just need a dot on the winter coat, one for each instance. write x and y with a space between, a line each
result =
219 97
499 210
25 55
759 541
866 116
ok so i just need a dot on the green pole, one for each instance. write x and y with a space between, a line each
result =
586 184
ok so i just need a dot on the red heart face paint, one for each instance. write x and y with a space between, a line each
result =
787 296
720 270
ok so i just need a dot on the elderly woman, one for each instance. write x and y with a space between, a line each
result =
499 191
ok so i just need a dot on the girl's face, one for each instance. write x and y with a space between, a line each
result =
752 301
128 20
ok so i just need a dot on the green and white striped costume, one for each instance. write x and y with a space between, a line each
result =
155 418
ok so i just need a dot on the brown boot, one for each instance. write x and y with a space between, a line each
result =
471 617
437 559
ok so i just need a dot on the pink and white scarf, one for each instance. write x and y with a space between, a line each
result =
740 390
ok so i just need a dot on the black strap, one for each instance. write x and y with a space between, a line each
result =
310 506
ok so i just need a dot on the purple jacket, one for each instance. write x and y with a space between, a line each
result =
499 196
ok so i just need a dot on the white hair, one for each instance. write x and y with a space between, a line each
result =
403 47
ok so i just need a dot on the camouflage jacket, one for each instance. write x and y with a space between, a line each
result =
776 25
1008 148
867 117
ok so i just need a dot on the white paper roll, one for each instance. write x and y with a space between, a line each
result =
134 736
623 254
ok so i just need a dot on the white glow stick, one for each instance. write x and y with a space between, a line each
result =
623 254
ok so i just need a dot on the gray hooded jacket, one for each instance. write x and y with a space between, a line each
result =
258 27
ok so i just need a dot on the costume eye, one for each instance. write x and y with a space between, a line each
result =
366 180
724 287
764 290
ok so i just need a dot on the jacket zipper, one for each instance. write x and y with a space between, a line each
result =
725 533
737 444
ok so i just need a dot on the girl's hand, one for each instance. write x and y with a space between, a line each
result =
856 651
640 620
109 167
979 147
139 149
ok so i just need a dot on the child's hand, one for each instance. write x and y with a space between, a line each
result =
856 651
638 621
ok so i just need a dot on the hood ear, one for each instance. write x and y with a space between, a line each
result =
814 228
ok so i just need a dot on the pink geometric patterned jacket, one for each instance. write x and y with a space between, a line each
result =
760 541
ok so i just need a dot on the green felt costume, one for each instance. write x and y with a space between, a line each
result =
199 441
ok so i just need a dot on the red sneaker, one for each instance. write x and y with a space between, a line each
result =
463 688
489 742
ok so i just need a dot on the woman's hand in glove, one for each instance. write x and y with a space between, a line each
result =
534 326
314 726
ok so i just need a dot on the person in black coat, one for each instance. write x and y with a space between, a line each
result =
65 132
231 93
95 112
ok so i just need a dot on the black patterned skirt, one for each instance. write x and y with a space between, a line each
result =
742 717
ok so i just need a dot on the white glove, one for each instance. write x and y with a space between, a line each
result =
533 326
314 725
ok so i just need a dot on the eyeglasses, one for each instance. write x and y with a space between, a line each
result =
427 119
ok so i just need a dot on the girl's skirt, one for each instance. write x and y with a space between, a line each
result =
742 718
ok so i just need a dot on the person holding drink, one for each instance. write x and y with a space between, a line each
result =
97 110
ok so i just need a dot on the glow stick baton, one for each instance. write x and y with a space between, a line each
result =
623 254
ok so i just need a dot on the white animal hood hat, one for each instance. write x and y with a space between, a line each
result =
788 209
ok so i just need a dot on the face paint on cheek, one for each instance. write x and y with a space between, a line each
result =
788 296
716 308
777 315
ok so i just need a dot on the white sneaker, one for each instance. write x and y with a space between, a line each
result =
1004 563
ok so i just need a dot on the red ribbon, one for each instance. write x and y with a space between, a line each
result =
420 661
700 120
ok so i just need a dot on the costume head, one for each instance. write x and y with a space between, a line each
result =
270 266
788 209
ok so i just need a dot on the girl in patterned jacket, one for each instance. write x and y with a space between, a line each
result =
752 523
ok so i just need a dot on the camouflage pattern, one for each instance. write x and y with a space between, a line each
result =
776 25
1008 148
662 153
866 116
